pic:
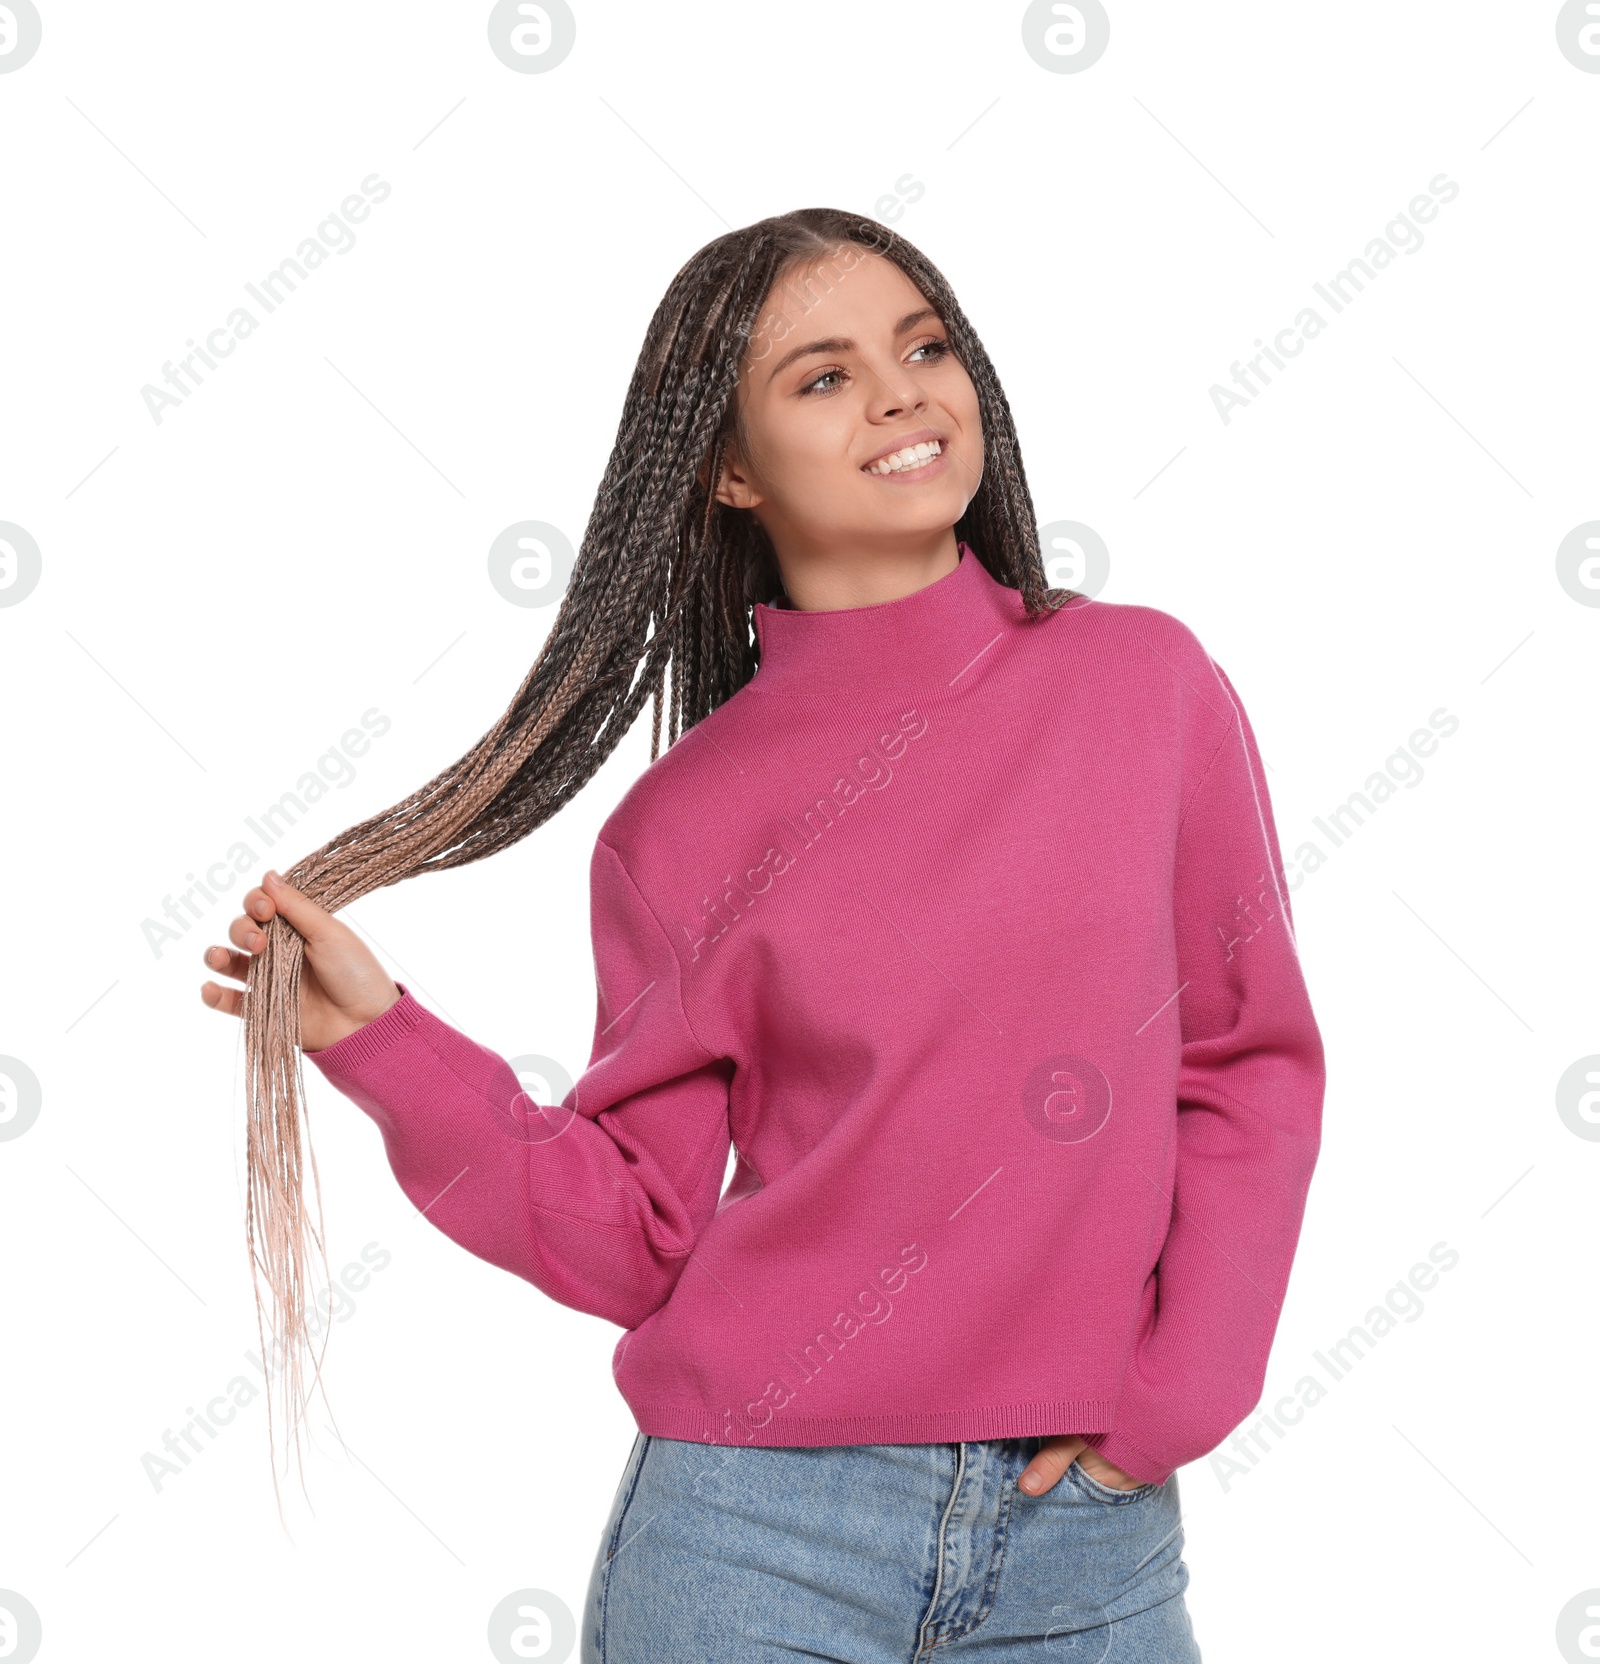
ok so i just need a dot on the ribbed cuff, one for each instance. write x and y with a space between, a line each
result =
1133 1461
371 1039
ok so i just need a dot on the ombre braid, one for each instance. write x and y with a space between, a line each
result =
665 577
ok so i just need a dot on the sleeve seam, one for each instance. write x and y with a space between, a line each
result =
1230 722
1175 670
677 968
1205 774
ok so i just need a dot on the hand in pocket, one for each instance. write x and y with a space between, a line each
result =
1055 1455
1107 1473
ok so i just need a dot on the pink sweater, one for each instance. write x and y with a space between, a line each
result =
968 935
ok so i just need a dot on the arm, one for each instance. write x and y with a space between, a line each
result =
1249 1113
597 1201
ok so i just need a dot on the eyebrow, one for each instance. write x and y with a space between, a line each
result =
838 343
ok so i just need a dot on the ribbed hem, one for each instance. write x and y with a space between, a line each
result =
371 1039
1001 1421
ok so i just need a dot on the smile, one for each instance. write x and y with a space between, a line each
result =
916 460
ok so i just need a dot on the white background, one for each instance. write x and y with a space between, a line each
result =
225 592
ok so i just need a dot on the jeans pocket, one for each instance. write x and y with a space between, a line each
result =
1091 1486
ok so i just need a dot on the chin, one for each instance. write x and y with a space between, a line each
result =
927 514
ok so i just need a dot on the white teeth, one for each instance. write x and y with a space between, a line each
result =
913 456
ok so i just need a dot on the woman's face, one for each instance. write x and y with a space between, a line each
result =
848 362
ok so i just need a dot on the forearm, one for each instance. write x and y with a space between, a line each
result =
545 1192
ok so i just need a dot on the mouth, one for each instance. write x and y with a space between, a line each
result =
919 460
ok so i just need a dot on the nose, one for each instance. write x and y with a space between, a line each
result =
897 398
895 391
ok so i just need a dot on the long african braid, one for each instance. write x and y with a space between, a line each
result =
665 578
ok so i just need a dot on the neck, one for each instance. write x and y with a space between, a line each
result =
824 580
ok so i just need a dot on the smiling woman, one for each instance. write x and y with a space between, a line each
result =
831 546
820 477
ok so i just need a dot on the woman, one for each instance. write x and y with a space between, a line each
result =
955 913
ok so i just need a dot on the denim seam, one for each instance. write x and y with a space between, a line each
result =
991 1586
927 1642
611 1547
948 1631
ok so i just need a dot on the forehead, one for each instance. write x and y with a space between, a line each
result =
847 291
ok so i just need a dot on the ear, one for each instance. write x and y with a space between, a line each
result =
734 486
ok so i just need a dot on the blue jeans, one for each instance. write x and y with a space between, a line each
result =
881 1554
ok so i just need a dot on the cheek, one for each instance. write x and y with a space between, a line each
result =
953 391
809 453
964 406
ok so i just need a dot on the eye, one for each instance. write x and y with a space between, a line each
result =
938 347
812 386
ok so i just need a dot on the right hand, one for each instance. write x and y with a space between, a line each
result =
342 985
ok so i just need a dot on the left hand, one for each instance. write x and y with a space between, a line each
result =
1056 1455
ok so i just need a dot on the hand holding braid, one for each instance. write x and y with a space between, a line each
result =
342 985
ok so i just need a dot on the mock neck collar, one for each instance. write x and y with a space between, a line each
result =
921 641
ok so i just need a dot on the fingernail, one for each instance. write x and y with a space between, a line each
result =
274 875
1030 1481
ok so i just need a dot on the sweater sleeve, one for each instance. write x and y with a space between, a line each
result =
597 1201
1249 1112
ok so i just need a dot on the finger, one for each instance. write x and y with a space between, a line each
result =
258 904
246 933
226 963
229 1001
298 908
1050 1461
1107 1473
